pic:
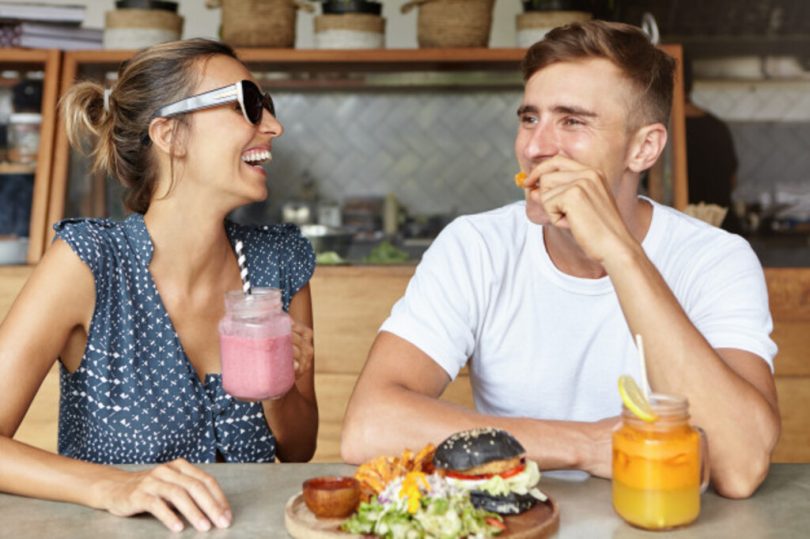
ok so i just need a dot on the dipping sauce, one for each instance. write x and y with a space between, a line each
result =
332 496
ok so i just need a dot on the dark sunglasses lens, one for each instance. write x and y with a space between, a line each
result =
252 98
269 105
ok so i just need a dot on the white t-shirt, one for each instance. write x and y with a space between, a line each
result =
544 344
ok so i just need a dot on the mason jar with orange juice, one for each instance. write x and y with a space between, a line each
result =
659 462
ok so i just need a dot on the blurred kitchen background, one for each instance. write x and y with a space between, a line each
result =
403 154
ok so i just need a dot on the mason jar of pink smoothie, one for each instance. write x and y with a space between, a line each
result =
255 343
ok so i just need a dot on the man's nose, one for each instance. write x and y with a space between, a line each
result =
543 142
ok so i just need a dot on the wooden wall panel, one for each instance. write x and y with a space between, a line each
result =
349 305
794 402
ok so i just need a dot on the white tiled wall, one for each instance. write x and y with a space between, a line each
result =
438 152
770 123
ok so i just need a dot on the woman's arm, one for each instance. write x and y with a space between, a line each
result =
294 417
53 309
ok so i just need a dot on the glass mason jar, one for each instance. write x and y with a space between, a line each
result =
255 342
23 137
660 468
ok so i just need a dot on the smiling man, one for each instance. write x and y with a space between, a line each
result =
541 299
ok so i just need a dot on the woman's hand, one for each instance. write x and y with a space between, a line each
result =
168 489
303 348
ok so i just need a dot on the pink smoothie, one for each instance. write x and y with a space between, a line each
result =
257 369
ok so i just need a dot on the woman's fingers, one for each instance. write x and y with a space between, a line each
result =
163 513
210 484
190 495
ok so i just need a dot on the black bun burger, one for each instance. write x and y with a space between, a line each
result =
492 465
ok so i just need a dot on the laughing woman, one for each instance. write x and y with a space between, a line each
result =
130 308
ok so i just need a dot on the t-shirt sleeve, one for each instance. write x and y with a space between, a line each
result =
441 307
730 306
85 237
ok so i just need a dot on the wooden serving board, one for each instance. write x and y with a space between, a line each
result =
539 522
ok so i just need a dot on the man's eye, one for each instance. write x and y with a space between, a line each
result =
528 119
572 122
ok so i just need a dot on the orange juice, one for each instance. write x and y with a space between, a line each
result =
657 467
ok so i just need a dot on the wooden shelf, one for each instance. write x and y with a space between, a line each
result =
47 60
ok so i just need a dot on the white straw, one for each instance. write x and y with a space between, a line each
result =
243 271
645 384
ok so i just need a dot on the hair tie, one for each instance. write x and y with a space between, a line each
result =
107 92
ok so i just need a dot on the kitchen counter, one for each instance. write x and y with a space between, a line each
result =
258 493
782 250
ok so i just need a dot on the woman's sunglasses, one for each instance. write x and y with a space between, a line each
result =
250 98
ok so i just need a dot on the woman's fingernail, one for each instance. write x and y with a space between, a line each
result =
177 526
203 525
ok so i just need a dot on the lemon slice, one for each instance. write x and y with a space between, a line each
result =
634 399
520 177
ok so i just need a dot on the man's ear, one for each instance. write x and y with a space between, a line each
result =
164 133
646 146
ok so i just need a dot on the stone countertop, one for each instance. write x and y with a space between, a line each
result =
258 493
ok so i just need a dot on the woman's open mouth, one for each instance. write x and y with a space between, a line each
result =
257 158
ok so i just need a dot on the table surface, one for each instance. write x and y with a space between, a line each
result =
258 493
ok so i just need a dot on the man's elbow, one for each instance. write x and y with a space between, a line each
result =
353 442
742 483
744 479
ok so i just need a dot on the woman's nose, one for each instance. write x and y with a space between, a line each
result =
270 124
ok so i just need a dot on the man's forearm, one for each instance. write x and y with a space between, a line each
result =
386 421
741 424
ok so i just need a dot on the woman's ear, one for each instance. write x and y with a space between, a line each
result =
163 133
646 146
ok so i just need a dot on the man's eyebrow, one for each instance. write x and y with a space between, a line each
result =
526 109
573 109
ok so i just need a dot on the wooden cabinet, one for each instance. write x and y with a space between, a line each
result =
322 69
47 61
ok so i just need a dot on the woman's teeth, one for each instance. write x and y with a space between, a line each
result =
257 157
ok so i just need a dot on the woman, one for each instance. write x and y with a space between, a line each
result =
131 308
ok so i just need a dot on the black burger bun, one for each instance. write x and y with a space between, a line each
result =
469 449
469 459
510 504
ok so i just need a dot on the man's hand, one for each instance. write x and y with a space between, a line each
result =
168 489
600 462
578 198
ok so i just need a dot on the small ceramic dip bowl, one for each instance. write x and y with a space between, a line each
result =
332 497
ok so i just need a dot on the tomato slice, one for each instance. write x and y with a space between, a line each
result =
476 477
495 524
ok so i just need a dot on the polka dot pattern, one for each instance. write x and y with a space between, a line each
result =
136 397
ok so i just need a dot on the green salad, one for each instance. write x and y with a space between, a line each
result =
420 506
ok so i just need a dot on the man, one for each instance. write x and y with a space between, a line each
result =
544 297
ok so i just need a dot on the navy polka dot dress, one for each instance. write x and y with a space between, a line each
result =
136 397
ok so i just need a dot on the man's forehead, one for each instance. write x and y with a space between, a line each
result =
591 83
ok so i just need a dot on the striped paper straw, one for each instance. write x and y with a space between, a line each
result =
243 271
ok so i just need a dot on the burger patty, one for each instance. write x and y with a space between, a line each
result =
493 466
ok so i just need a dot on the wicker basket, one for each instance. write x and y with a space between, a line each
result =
452 23
259 23
140 28
533 25
349 31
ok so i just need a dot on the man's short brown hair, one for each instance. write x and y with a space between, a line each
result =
650 70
